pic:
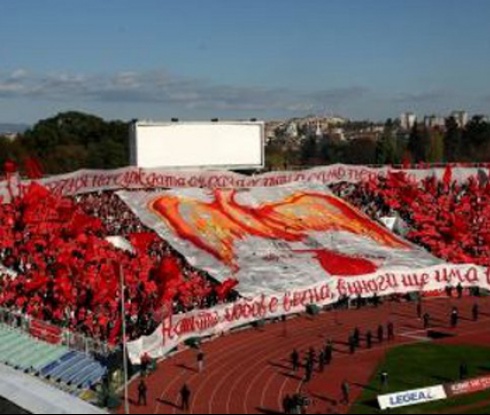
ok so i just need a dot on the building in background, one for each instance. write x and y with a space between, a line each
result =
461 117
408 120
434 121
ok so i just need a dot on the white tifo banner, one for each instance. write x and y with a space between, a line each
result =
413 397
86 181
273 239
205 323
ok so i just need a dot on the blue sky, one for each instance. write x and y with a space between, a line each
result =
197 59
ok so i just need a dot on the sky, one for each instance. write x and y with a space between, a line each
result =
267 59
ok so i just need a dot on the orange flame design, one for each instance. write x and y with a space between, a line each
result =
215 226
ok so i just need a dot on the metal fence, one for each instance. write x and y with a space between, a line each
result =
14 320
88 345
54 334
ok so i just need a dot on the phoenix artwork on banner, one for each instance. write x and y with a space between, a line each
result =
274 239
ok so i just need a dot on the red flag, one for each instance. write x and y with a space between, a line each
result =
35 193
170 275
448 176
226 288
142 241
407 161
33 168
397 179
10 167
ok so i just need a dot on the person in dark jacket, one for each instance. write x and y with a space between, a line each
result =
295 360
454 318
391 331
185 396
357 337
381 334
200 361
369 339
476 312
142 393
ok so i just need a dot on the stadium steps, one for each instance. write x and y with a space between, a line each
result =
69 370
21 351
74 369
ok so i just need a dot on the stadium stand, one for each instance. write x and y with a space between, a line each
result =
73 369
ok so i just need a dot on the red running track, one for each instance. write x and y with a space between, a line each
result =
249 372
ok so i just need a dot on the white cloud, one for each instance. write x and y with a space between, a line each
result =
163 88
18 74
434 96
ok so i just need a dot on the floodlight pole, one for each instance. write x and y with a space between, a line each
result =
125 350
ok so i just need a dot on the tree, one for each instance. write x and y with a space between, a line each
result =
452 141
362 151
309 151
275 156
387 151
11 150
73 140
436 153
419 144
476 138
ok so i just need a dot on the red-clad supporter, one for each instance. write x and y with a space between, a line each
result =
450 220
66 272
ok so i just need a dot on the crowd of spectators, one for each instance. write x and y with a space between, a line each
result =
449 219
69 274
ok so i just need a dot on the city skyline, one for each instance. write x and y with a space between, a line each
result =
152 60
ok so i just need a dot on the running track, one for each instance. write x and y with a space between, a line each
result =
249 372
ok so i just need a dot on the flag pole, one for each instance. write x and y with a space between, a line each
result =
125 351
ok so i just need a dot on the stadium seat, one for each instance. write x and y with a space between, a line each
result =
52 362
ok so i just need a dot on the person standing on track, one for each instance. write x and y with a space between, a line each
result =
329 352
460 291
185 396
357 337
369 339
345 392
295 360
287 405
352 345
321 362
426 321
454 318
309 371
200 360
391 331
476 312
142 393
381 334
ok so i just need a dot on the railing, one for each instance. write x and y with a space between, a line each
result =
14 320
88 345
53 334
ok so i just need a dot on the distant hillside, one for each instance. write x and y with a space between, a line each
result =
13 128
